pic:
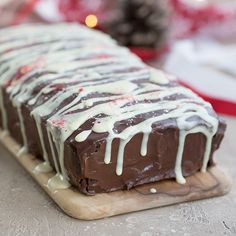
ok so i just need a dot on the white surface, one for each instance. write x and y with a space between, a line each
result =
48 10
209 67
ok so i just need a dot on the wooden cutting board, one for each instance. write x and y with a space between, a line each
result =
199 186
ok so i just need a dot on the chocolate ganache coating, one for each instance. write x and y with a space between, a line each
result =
97 115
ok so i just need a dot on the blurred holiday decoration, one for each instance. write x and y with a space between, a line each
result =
15 12
208 68
215 18
205 61
130 20
140 23
88 12
49 11
134 23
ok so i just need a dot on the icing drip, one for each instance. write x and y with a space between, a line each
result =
43 168
83 136
58 182
209 133
120 158
182 136
3 110
61 161
52 150
24 149
120 87
178 170
207 152
38 124
106 82
107 158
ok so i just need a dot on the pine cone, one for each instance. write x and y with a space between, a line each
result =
141 23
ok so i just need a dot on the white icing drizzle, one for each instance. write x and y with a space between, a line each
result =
61 161
159 77
90 66
3 111
107 158
178 170
43 167
38 124
119 87
120 157
58 182
52 150
144 144
82 136
153 190
24 149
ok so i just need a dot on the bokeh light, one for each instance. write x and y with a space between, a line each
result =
91 21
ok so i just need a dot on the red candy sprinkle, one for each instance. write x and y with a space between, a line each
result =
58 86
103 56
81 89
58 123
26 69
127 97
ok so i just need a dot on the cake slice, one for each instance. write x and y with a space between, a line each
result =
97 115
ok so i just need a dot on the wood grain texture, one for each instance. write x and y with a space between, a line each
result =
199 186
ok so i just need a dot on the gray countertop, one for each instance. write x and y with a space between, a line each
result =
26 210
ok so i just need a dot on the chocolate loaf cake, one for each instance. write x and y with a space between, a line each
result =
97 115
